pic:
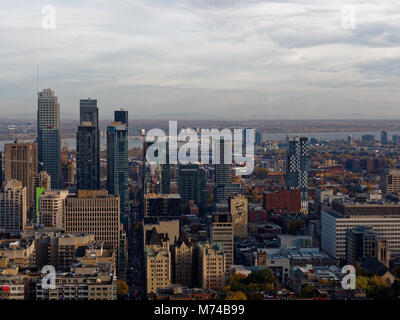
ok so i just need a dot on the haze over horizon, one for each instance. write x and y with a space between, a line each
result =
207 59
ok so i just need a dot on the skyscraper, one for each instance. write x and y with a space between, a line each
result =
258 139
162 205
146 172
165 173
21 164
88 147
13 207
1 171
121 116
117 163
192 185
49 143
222 170
297 164
224 188
165 178
384 137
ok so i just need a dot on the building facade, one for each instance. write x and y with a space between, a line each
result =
96 212
222 233
212 262
13 208
163 205
334 226
390 182
117 164
192 185
51 208
157 261
49 141
297 166
21 164
88 147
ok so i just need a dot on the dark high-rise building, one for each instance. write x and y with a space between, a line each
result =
362 242
298 163
258 139
224 188
121 116
165 174
1 170
162 205
384 137
89 112
222 170
117 163
146 173
49 141
223 192
192 185
88 147
165 179
369 138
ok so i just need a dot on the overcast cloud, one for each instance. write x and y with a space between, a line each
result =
204 58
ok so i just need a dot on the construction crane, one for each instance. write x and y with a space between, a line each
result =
278 173
327 174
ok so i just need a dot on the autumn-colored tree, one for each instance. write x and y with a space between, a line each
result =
377 281
122 288
237 277
269 287
239 295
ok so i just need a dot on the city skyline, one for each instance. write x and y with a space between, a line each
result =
176 150
200 59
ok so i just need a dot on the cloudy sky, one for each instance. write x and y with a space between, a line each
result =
205 58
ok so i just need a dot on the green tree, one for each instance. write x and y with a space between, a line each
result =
237 283
362 283
307 291
261 277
